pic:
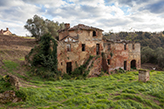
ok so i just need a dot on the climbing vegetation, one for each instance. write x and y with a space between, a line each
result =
43 58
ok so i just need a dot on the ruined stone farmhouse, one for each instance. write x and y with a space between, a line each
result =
5 32
76 44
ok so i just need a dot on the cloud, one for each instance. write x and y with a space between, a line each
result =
155 8
119 15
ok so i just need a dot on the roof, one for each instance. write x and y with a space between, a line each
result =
82 27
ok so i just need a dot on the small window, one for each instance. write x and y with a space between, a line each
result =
124 46
94 33
133 47
61 63
83 47
68 47
109 47
108 61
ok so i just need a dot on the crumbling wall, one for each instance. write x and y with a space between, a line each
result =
96 67
76 55
134 54
116 55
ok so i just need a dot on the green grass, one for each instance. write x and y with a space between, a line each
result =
10 65
118 91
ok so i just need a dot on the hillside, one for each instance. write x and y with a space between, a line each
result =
14 47
114 91
12 52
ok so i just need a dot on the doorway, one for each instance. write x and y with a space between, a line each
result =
133 64
69 67
125 62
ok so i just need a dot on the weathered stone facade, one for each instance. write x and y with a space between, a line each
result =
76 44
121 54
5 32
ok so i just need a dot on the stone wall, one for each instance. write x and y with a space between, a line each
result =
76 55
120 55
135 54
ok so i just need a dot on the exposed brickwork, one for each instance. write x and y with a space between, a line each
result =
113 54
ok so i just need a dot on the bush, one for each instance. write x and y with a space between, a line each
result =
22 94
44 57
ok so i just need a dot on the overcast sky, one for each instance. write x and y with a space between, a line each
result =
116 15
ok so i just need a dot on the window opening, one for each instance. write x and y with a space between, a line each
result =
108 61
133 46
83 47
124 46
97 49
94 33
68 47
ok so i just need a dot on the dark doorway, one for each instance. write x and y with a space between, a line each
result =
69 67
125 62
97 49
133 64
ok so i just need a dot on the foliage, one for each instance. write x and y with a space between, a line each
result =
5 84
147 54
37 26
44 59
79 71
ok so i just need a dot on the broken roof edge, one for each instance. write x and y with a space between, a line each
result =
82 27
73 37
118 41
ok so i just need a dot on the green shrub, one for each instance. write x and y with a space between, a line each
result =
22 94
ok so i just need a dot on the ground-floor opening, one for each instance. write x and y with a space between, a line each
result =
69 67
133 64
125 62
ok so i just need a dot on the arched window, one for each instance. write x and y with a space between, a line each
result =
94 33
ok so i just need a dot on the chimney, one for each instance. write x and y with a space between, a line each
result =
7 29
1 30
67 25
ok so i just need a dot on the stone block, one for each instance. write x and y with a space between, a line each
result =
144 75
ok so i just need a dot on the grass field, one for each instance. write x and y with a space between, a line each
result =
118 91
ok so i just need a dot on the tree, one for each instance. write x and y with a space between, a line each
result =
159 54
147 54
37 26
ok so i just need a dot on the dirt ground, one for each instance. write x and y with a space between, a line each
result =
14 47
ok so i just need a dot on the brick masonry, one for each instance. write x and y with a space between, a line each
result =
113 54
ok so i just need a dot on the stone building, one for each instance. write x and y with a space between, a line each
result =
5 32
76 44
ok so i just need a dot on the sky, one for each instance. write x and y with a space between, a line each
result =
109 15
